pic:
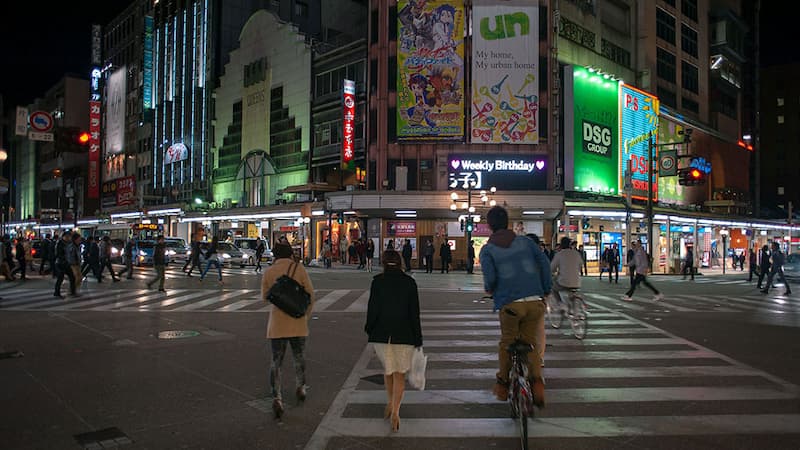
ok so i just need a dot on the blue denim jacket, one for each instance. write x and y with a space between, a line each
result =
514 272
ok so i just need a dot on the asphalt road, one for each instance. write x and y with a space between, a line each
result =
714 365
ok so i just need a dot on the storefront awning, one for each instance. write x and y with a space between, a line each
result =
309 188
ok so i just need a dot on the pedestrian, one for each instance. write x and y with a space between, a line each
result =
74 256
351 251
284 330
260 249
741 261
105 259
641 266
394 329
370 253
212 258
361 250
776 268
390 245
8 256
752 266
517 275
688 262
26 244
52 253
584 266
445 255
343 251
159 264
326 254
91 259
44 254
62 266
611 261
763 266
5 268
629 261
471 256
565 267
407 252
194 257
19 253
127 258
428 254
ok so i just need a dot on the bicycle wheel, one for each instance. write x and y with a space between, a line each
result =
555 314
578 317
522 418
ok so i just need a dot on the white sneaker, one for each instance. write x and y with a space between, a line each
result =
658 297
627 299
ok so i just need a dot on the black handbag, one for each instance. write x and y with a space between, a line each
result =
288 295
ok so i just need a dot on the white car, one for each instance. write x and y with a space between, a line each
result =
248 247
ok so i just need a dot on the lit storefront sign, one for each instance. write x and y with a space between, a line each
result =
147 80
592 137
94 149
401 229
505 172
638 122
348 120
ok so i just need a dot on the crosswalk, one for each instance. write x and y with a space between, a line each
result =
627 379
228 300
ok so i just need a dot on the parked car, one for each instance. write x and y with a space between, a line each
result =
117 246
177 251
248 247
791 268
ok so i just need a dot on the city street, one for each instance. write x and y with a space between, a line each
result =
712 366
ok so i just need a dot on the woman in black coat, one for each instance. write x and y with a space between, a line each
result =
394 328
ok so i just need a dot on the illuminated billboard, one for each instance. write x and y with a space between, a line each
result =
430 70
638 122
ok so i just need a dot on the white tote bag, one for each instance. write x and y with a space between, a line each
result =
419 362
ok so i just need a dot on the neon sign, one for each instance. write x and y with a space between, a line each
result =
638 123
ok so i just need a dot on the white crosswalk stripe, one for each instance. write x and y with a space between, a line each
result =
686 385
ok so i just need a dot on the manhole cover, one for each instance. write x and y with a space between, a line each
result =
177 334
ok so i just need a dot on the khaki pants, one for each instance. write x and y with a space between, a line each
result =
76 271
523 320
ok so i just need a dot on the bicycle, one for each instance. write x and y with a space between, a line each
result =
520 393
576 312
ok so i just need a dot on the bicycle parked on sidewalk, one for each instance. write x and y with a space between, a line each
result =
520 393
576 310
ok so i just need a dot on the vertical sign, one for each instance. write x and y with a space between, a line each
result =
94 149
638 121
21 128
96 45
348 120
591 127
430 66
147 81
115 112
505 86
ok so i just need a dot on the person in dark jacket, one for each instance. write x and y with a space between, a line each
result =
91 259
260 248
19 250
194 259
776 269
444 255
394 328
407 251
52 253
471 256
688 263
212 258
62 266
105 258
764 266
127 257
8 256
44 254
159 264
753 264
428 253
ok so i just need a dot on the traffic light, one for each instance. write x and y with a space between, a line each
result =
470 226
71 140
585 224
463 224
340 219
691 176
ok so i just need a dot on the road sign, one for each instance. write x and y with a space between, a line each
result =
36 136
41 121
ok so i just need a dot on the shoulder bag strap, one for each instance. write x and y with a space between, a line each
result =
293 268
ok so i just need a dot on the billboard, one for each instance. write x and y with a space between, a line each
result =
638 122
430 70
175 153
115 112
505 86
348 120
591 132
505 172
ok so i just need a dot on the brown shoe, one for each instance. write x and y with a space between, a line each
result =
538 394
501 390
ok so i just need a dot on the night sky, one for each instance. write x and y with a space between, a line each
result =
42 41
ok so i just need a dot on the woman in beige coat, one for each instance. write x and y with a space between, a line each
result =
283 329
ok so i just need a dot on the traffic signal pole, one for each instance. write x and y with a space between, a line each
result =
650 246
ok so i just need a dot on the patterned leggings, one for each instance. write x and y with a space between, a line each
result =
278 351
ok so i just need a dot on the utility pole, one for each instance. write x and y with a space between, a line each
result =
650 246
628 188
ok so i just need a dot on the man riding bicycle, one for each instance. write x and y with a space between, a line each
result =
566 267
516 273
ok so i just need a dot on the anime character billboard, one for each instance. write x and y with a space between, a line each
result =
430 65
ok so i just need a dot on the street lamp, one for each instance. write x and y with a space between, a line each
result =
302 222
468 222
724 233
